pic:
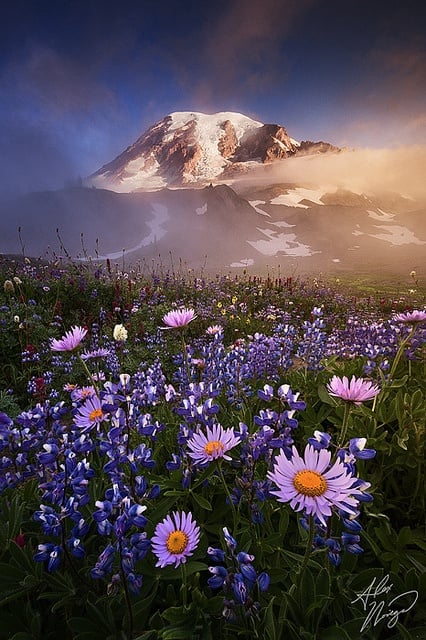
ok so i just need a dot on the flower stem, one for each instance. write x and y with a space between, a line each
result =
185 359
228 495
399 353
342 438
308 552
126 594
184 587
89 375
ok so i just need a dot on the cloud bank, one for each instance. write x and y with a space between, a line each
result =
367 171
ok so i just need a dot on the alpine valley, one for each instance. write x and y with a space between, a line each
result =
219 192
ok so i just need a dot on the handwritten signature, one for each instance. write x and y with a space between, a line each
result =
378 610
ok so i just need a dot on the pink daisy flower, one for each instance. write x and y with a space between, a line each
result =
356 390
411 316
174 539
313 485
203 448
179 318
70 341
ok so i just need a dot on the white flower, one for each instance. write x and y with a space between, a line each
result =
8 286
120 333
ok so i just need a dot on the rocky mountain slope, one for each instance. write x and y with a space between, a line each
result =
194 149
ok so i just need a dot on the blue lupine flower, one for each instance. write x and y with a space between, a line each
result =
231 543
76 547
217 555
263 581
239 588
220 574
244 558
135 515
104 563
50 553
357 449
320 440
249 573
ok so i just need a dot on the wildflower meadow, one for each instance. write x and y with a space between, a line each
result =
191 457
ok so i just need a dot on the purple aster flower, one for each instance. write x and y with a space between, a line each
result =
70 341
178 318
313 485
357 390
411 316
214 330
89 414
96 353
214 444
175 538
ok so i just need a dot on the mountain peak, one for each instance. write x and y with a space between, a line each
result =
189 148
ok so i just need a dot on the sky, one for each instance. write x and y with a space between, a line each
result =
80 80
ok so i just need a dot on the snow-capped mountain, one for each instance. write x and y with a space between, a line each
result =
195 149
225 192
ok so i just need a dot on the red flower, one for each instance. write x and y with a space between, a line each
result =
20 540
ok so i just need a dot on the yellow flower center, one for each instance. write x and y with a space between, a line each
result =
177 541
310 483
95 415
214 446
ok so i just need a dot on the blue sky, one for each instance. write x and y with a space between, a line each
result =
81 80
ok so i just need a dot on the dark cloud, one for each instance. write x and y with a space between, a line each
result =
240 50
57 84
31 159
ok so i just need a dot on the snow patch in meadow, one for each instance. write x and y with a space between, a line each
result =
254 204
245 262
282 223
161 215
380 215
281 243
396 235
200 211
294 197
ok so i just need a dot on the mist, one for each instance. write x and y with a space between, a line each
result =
369 171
